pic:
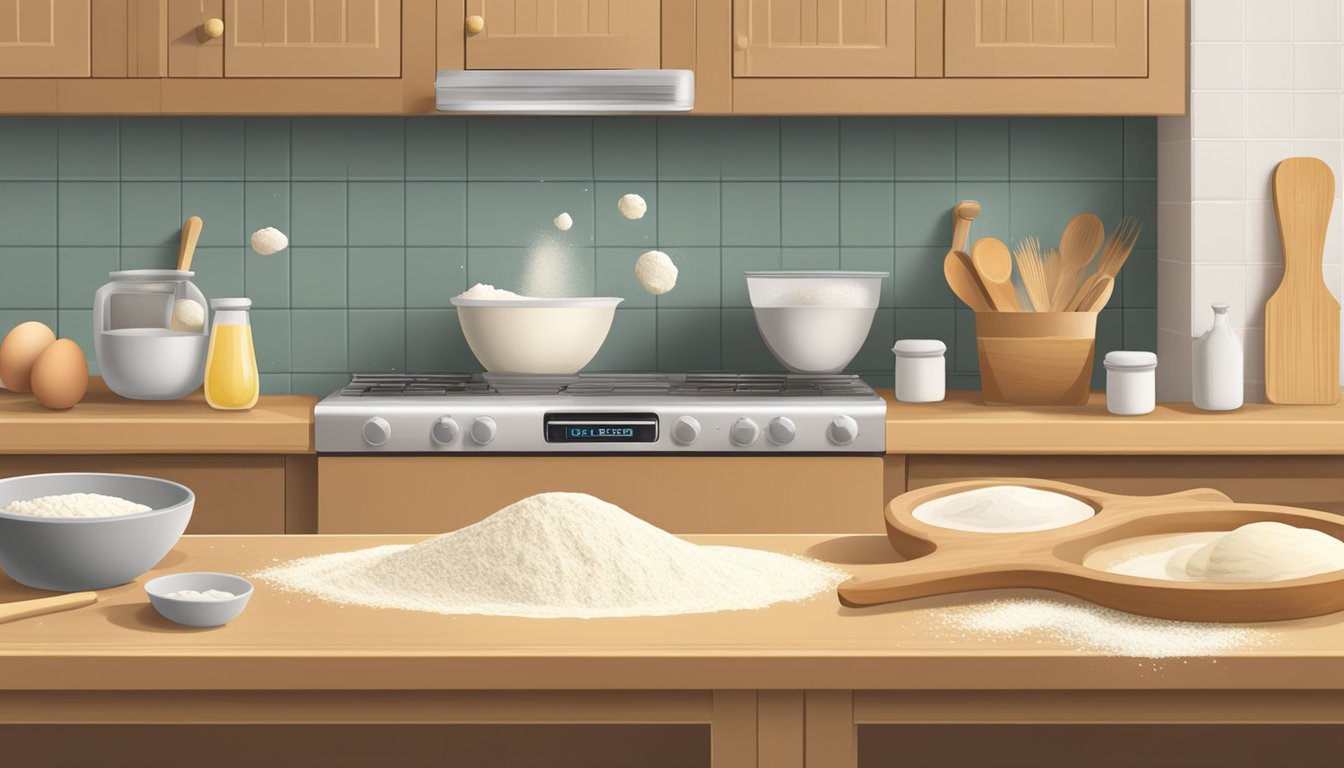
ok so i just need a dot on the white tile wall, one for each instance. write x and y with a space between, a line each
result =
1266 82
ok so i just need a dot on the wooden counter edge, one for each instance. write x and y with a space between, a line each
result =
962 424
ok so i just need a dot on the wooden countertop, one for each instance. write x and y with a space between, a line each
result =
964 424
291 642
107 423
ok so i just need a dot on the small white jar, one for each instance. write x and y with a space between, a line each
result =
921 375
1131 382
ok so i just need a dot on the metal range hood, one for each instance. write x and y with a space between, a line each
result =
564 91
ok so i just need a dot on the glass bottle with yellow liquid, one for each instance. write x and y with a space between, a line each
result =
231 381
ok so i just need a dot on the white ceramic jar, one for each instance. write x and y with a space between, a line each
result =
1216 364
920 370
1131 382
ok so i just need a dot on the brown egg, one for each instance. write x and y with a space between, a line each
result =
20 350
61 375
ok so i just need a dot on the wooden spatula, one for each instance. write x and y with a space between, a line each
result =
964 281
1302 317
994 264
25 608
191 232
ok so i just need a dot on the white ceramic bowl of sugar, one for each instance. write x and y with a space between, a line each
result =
814 321
165 594
539 336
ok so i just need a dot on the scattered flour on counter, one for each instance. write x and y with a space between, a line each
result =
558 555
75 505
209 595
1003 509
1094 629
485 291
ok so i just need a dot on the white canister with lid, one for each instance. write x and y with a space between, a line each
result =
920 371
1131 382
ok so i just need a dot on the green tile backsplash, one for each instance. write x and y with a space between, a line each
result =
388 218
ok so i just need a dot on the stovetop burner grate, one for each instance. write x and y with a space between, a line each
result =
600 384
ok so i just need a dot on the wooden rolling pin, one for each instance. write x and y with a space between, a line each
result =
25 608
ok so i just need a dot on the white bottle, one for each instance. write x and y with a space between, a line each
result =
1216 364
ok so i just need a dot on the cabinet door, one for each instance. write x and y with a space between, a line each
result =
44 38
824 38
312 38
565 34
1046 38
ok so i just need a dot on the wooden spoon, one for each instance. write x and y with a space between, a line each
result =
1094 300
42 605
994 264
961 276
963 214
1082 237
191 232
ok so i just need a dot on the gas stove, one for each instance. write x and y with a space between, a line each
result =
714 413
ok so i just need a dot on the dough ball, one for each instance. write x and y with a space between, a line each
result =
1266 551
188 315
563 222
269 240
632 206
656 272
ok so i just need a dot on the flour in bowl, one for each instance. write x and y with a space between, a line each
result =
208 596
75 505
558 555
1003 509
827 295
485 291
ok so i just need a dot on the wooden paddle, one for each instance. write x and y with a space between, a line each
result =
1302 317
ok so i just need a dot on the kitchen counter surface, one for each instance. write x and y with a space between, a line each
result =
291 642
107 423
963 424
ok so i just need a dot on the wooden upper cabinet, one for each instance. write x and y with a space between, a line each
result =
312 38
1046 38
44 38
563 34
823 38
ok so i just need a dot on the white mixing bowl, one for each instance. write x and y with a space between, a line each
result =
551 336
814 321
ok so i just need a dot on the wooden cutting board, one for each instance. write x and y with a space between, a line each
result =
1302 317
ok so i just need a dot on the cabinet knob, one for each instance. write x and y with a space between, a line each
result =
475 24
213 28
742 43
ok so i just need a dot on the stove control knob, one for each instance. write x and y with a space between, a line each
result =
782 430
744 432
843 430
377 431
444 431
483 430
686 430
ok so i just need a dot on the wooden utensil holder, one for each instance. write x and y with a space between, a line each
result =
1036 358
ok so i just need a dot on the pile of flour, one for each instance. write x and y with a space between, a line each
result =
487 291
557 555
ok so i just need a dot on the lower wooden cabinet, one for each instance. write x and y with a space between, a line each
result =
1314 482
681 494
263 494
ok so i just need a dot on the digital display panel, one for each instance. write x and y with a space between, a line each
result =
601 427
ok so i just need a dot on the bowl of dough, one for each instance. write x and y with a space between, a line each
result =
814 321
73 531
509 333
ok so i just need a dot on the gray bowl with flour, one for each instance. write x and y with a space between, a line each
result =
71 554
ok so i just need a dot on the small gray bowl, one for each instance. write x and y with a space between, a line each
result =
73 554
199 613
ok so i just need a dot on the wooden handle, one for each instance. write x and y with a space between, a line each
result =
191 232
742 43
475 25
212 29
963 214
938 574
964 281
25 608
